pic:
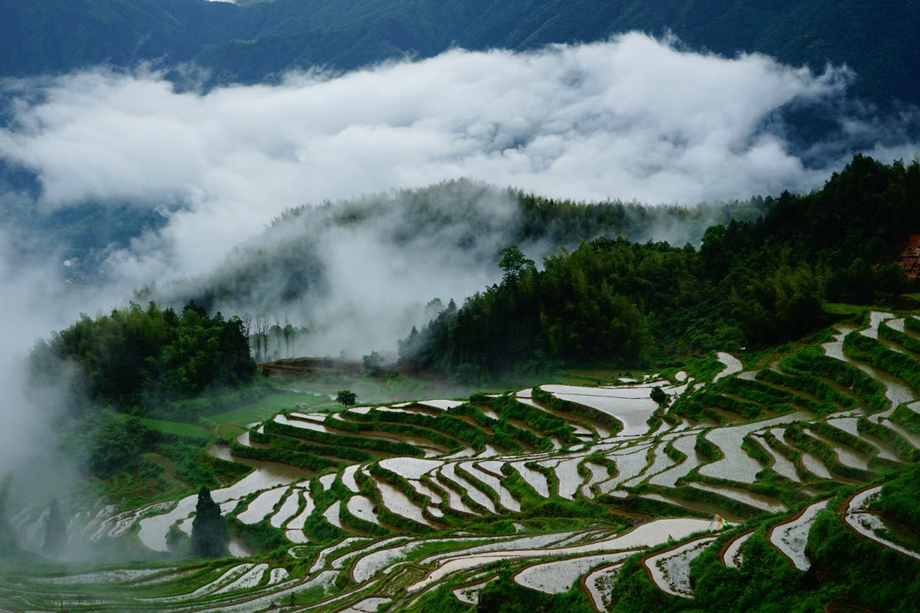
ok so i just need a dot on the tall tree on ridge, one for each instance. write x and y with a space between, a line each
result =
209 532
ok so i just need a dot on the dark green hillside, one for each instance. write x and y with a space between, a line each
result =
137 359
255 41
751 283
60 35
452 222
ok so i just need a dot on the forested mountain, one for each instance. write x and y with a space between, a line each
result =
750 283
255 41
369 265
137 359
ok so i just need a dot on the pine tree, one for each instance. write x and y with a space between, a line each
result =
55 531
209 532
7 540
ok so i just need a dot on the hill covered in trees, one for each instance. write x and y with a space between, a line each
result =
750 283
136 359
256 41
458 224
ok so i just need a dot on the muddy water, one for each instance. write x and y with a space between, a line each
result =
845 455
453 498
333 514
569 479
305 424
849 424
268 473
259 508
790 537
296 536
685 445
599 474
326 481
733 556
670 570
732 365
424 490
815 466
558 577
444 405
896 390
397 502
287 510
875 318
410 468
660 463
490 413
631 406
780 464
348 477
448 471
645 535
629 464
298 522
599 584
738 465
758 501
362 507
533 478
504 496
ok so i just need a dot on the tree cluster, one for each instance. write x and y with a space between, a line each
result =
750 283
136 358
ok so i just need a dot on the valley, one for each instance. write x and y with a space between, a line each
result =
558 489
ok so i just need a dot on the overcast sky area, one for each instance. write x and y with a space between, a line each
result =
633 118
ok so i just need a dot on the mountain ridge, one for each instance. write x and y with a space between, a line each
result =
258 42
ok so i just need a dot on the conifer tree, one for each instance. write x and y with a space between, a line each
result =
209 532
55 531
7 541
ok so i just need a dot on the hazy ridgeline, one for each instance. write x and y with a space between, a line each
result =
754 283
359 273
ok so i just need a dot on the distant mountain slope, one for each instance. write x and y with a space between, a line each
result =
750 284
257 41
360 272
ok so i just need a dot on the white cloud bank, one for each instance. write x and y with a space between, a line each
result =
633 118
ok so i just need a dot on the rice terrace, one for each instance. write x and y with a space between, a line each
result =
574 495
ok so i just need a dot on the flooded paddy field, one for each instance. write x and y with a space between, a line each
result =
456 496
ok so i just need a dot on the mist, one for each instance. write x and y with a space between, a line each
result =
634 118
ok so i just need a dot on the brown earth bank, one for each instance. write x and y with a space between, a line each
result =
910 257
293 368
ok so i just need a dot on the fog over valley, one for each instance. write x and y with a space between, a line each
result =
636 118
343 203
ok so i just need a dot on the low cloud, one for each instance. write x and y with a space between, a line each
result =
633 118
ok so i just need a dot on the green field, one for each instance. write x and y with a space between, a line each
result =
175 427
269 405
